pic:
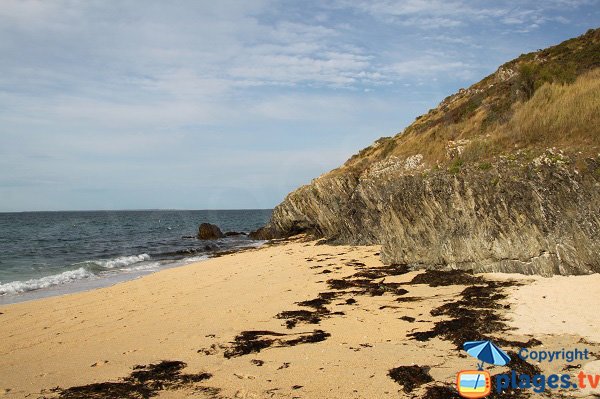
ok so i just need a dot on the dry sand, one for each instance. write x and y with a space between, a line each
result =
193 314
558 305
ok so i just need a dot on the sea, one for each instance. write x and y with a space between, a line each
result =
53 253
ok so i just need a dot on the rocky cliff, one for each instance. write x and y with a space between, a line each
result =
502 176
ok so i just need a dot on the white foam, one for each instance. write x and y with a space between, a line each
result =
146 267
16 287
123 261
192 259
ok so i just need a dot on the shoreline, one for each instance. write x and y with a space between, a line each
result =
283 320
97 281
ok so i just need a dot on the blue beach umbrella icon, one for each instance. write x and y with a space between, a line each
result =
486 352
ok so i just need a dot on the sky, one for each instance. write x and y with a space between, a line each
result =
232 104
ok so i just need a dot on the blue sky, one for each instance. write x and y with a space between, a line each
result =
232 104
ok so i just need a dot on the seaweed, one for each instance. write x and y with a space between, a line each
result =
468 322
143 382
379 271
409 299
410 377
473 316
293 317
255 341
441 392
438 278
251 342
367 286
364 279
314 337
360 283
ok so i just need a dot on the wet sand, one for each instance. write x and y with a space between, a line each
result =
293 319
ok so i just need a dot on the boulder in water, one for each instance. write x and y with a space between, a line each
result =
208 231
234 234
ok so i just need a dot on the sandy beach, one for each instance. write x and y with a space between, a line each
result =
291 319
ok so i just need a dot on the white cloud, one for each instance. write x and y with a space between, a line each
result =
145 84
426 65
435 14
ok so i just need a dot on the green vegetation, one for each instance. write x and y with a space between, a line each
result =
455 166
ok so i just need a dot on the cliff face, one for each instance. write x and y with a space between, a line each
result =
503 176
524 218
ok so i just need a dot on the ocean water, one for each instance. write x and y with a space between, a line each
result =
51 253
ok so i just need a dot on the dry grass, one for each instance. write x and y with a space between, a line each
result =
561 115
566 116
548 98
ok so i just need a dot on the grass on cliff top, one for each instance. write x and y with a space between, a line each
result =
561 114
549 98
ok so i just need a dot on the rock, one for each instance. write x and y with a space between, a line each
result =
234 234
531 219
208 231
264 233
465 187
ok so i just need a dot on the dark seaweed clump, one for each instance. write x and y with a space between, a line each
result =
251 342
441 392
409 299
362 282
438 278
383 271
474 316
366 286
255 341
410 377
143 382
469 320
293 317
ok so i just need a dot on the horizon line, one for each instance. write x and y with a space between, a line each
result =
139 210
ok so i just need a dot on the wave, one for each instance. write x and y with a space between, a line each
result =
17 287
106 267
123 261
86 270
193 259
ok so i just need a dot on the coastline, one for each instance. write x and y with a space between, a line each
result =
92 281
352 329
